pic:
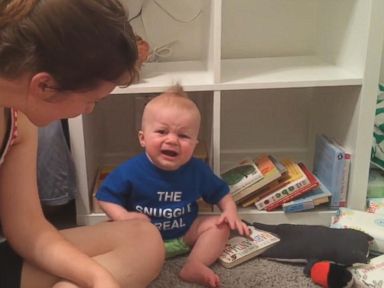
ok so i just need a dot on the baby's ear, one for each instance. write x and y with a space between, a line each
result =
140 135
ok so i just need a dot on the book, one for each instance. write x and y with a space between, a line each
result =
242 175
269 188
296 179
369 275
270 173
265 191
240 248
294 191
328 166
345 175
369 223
310 200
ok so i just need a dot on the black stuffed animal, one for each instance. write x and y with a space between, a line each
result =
300 243
328 274
334 249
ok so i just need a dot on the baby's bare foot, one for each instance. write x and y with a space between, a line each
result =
196 272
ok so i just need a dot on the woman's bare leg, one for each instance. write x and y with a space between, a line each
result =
132 251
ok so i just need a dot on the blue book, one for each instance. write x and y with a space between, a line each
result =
328 167
311 199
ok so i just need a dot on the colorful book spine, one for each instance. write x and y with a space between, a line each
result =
296 190
298 207
310 200
265 191
345 180
345 175
297 179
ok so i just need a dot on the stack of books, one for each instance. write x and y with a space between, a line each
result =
298 181
268 183
271 184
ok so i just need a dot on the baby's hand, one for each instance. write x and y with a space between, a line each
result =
234 223
243 229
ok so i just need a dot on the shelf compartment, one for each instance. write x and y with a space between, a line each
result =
274 121
284 72
181 43
299 43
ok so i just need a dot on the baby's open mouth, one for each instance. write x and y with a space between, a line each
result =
169 153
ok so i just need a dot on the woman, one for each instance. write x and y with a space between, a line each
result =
57 59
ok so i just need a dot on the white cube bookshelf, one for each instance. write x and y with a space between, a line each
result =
268 75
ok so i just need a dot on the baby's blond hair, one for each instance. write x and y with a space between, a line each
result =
174 96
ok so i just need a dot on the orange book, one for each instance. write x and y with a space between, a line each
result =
269 171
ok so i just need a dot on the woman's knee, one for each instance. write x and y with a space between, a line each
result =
144 250
123 230
144 234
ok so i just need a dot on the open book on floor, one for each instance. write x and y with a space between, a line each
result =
240 248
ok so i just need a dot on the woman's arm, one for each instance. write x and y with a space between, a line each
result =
25 226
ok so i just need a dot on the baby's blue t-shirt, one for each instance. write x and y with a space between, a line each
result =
167 197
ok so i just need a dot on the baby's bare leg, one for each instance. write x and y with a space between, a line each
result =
208 241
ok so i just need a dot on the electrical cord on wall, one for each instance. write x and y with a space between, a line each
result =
165 50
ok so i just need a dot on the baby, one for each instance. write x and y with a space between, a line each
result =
163 184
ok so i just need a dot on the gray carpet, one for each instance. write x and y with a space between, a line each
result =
254 273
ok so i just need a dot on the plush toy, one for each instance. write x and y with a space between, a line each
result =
328 274
300 243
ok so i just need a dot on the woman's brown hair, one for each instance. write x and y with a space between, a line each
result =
78 42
